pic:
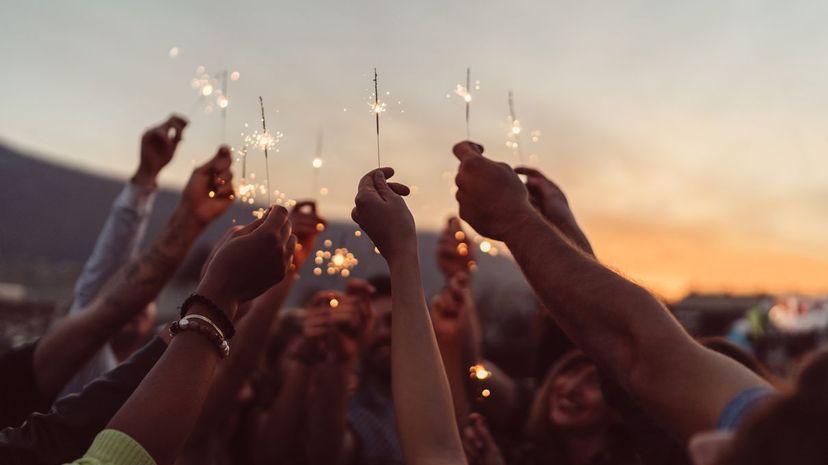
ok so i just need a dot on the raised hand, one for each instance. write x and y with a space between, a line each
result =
340 324
382 213
454 251
158 145
304 218
550 201
451 310
492 198
255 258
478 443
209 192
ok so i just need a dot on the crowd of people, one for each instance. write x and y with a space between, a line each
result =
377 373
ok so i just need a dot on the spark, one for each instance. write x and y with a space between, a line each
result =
337 262
173 52
479 372
465 92
377 108
513 137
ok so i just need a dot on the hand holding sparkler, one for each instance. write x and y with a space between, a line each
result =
492 198
209 192
339 325
305 222
382 213
454 251
452 311
252 260
478 443
550 201
158 145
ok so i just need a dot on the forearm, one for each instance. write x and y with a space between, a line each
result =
422 398
163 409
117 242
279 433
327 427
66 347
627 331
245 353
457 374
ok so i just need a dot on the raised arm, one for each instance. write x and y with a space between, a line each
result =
422 399
254 329
165 406
66 347
123 232
616 322
126 223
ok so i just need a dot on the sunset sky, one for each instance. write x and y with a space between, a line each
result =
690 137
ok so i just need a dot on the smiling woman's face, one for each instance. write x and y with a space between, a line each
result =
576 402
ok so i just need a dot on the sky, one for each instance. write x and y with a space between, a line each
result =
690 137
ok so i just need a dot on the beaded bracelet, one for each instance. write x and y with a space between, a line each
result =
202 325
222 321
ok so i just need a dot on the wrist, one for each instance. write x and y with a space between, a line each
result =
145 177
528 217
221 299
406 255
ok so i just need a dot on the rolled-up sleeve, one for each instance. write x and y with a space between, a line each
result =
118 241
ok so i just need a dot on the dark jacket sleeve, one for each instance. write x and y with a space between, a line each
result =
19 394
65 433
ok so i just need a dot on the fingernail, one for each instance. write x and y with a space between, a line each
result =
477 147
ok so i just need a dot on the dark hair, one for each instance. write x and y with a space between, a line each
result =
790 428
545 446
382 284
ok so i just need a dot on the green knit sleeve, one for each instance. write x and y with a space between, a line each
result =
112 447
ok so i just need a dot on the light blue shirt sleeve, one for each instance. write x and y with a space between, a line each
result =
118 242
740 406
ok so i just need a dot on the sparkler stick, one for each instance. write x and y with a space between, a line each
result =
264 134
515 129
377 110
223 104
317 163
468 101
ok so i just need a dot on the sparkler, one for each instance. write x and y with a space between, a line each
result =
266 140
222 102
377 108
466 93
317 163
468 100
339 262
513 140
213 87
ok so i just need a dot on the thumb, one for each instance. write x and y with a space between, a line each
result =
466 150
220 161
381 185
275 219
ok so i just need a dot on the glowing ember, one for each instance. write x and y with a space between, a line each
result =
479 372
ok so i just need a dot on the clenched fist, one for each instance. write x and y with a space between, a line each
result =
492 198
